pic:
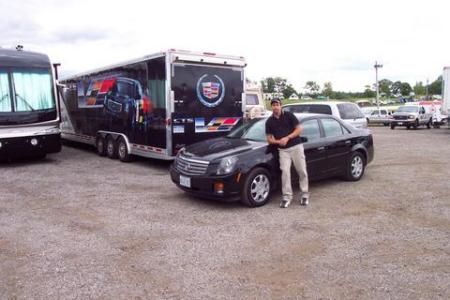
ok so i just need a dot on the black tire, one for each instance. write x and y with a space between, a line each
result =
408 126
392 126
100 145
256 189
355 167
111 147
429 124
416 124
386 124
122 151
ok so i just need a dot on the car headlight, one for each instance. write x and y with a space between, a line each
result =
412 117
227 165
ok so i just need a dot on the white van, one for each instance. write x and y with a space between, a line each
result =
349 112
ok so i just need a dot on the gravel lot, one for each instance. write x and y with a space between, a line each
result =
77 226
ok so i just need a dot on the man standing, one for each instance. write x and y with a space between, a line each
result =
283 130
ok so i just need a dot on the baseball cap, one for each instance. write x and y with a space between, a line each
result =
275 100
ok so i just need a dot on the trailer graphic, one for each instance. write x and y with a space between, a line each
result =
155 105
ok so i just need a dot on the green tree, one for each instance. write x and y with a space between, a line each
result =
385 86
288 91
268 85
328 89
396 88
435 88
419 89
405 89
368 92
312 87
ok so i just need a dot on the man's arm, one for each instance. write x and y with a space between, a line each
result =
295 133
271 139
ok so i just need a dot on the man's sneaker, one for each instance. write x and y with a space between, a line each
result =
284 203
304 200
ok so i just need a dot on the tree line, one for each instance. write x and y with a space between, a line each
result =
387 88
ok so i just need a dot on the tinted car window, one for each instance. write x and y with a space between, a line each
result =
309 108
349 111
311 130
255 131
331 128
125 89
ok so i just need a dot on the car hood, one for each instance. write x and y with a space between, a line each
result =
220 147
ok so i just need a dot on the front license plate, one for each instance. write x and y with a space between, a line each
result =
400 123
185 181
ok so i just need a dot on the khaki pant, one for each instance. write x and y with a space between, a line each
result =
295 154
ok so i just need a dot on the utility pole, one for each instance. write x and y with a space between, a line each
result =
426 91
376 66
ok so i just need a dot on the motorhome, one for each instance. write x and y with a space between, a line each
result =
29 110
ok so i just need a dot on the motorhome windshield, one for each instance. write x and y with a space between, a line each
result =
26 96
409 109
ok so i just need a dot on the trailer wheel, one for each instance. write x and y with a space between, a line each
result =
122 150
111 147
100 145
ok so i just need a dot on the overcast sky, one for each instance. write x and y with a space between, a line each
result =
321 40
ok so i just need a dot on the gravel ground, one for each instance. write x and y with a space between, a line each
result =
77 226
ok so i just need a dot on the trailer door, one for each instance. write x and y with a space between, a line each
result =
207 102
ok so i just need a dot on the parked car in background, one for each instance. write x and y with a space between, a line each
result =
243 166
381 116
348 112
254 103
414 115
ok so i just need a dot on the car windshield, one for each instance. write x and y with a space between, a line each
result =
254 131
412 109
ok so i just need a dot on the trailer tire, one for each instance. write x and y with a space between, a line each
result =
122 150
100 145
111 147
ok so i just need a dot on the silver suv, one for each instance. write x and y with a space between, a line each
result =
348 112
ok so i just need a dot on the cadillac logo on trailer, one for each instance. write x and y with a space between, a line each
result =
210 90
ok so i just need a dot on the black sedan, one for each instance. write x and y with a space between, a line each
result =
242 165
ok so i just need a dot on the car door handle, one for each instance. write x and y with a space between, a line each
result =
321 148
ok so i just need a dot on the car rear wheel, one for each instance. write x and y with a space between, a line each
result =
256 189
356 166
122 150
100 145
111 148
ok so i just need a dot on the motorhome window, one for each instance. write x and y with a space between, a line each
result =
33 91
311 130
251 99
5 97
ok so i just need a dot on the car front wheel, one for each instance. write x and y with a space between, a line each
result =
356 166
256 189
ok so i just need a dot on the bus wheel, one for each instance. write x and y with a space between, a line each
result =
111 148
122 150
100 145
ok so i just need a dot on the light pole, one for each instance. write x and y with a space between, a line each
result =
376 66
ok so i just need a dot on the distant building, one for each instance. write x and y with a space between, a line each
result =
294 96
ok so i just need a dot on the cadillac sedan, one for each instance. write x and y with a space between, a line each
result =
242 165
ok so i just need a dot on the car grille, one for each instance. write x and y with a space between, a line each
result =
191 166
400 117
